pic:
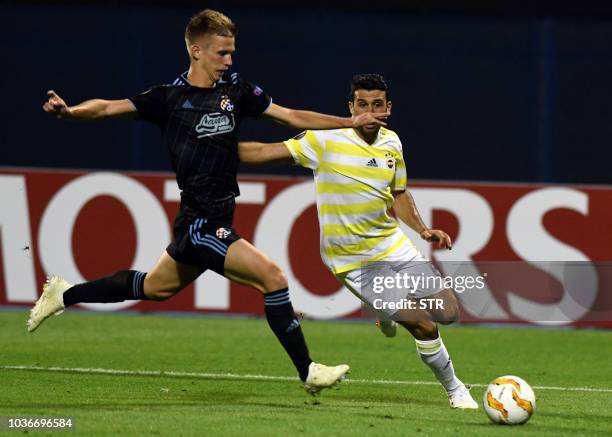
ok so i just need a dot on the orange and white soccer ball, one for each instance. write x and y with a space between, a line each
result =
509 400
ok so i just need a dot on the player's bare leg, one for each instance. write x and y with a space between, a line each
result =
246 264
430 347
444 310
444 307
168 277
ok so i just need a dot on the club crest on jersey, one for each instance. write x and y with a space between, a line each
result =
390 159
214 124
222 233
226 104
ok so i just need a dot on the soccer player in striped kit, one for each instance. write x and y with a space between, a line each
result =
359 175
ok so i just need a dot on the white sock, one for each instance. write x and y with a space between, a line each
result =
434 354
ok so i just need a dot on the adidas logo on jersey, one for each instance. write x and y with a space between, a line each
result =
372 163
187 104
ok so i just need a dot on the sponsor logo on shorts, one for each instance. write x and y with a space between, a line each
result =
222 233
215 124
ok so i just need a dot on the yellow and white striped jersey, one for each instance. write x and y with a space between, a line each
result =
354 182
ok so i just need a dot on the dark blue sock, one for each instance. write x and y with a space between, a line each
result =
120 286
285 325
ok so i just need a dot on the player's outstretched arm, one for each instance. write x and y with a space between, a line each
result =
314 120
264 153
406 210
96 109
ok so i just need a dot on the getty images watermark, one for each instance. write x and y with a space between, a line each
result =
390 287
543 292
418 287
413 283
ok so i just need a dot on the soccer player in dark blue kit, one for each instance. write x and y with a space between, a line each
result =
198 114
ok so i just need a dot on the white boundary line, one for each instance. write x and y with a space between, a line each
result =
171 373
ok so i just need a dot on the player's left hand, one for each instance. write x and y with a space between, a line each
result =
376 118
436 235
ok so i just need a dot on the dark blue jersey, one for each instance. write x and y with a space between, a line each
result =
199 127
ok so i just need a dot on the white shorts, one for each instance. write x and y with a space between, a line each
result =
367 285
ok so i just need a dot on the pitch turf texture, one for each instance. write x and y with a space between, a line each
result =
215 376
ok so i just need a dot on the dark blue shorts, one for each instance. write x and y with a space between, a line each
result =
203 241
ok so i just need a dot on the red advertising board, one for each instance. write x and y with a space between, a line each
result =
84 225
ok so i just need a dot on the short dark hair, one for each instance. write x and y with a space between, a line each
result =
368 81
209 21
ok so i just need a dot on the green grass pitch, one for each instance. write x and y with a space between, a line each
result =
205 387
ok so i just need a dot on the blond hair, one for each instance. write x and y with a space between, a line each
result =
209 21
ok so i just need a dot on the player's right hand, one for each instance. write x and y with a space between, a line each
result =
56 106
435 235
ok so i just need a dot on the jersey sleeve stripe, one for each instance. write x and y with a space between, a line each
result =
292 145
307 151
400 180
313 142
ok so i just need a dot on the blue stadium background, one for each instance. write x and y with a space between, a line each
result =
479 93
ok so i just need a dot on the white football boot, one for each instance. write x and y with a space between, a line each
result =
51 302
462 399
321 376
387 327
